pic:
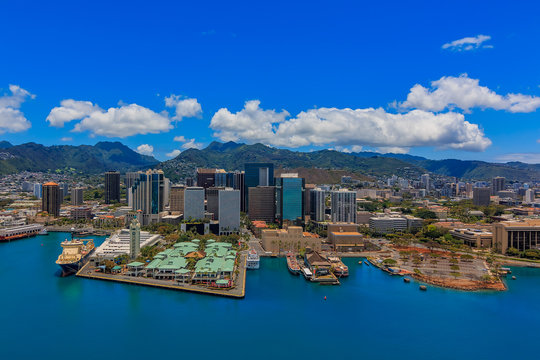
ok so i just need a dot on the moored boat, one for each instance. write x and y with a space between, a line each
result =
19 232
292 264
74 255
253 260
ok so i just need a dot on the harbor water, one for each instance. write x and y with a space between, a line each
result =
371 315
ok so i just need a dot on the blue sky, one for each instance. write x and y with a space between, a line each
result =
342 71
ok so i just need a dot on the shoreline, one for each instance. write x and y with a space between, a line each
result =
461 284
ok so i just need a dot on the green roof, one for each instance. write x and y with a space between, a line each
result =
135 264
117 267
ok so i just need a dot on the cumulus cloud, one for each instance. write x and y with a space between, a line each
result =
349 127
66 139
187 143
124 120
173 153
70 110
180 138
468 43
145 149
184 107
12 118
465 93
251 123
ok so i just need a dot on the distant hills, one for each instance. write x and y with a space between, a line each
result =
315 166
87 159
231 156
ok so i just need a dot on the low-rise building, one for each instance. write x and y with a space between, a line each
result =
519 234
473 237
292 238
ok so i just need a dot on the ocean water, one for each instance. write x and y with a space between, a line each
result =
44 316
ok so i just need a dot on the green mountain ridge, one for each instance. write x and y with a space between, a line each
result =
90 159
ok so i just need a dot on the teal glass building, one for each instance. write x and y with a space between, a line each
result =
289 199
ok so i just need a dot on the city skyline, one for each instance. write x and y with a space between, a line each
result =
259 74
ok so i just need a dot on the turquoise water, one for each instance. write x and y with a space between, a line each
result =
370 315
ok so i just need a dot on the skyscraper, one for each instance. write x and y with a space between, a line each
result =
76 196
194 203
529 196
238 184
257 174
263 204
50 201
134 239
176 202
497 184
481 196
37 190
426 182
229 211
206 177
318 204
289 198
148 195
343 206
307 198
112 187
212 200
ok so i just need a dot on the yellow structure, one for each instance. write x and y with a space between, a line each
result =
519 234
293 238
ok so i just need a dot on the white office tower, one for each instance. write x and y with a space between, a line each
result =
317 204
134 239
194 203
426 182
343 206
229 211
529 196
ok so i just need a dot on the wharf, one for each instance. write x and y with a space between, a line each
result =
238 291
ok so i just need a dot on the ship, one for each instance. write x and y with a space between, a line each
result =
19 232
338 267
292 264
253 260
74 255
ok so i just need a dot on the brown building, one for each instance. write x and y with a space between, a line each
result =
50 200
345 237
473 237
206 177
307 198
112 187
279 241
518 234
212 201
262 203
176 202
81 213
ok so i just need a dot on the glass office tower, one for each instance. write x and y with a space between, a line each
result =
289 198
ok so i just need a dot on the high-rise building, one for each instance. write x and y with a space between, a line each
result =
112 187
148 194
77 196
130 179
212 201
134 239
318 204
194 203
529 196
307 198
64 187
220 178
343 206
37 190
229 211
50 201
238 184
206 177
262 205
257 174
289 198
426 182
190 182
176 202
481 196
497 184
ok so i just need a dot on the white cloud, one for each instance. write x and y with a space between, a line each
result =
191 144
465 93
180 138
393 150
469 43
530 158
70 110
145 149
173 153
184 107
122 121
349 127
66 139
11 117
251 123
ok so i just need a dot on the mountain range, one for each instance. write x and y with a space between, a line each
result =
89 159
315 165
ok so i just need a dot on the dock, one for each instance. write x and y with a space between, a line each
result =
238 291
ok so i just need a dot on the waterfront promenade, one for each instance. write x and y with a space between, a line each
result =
237 291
